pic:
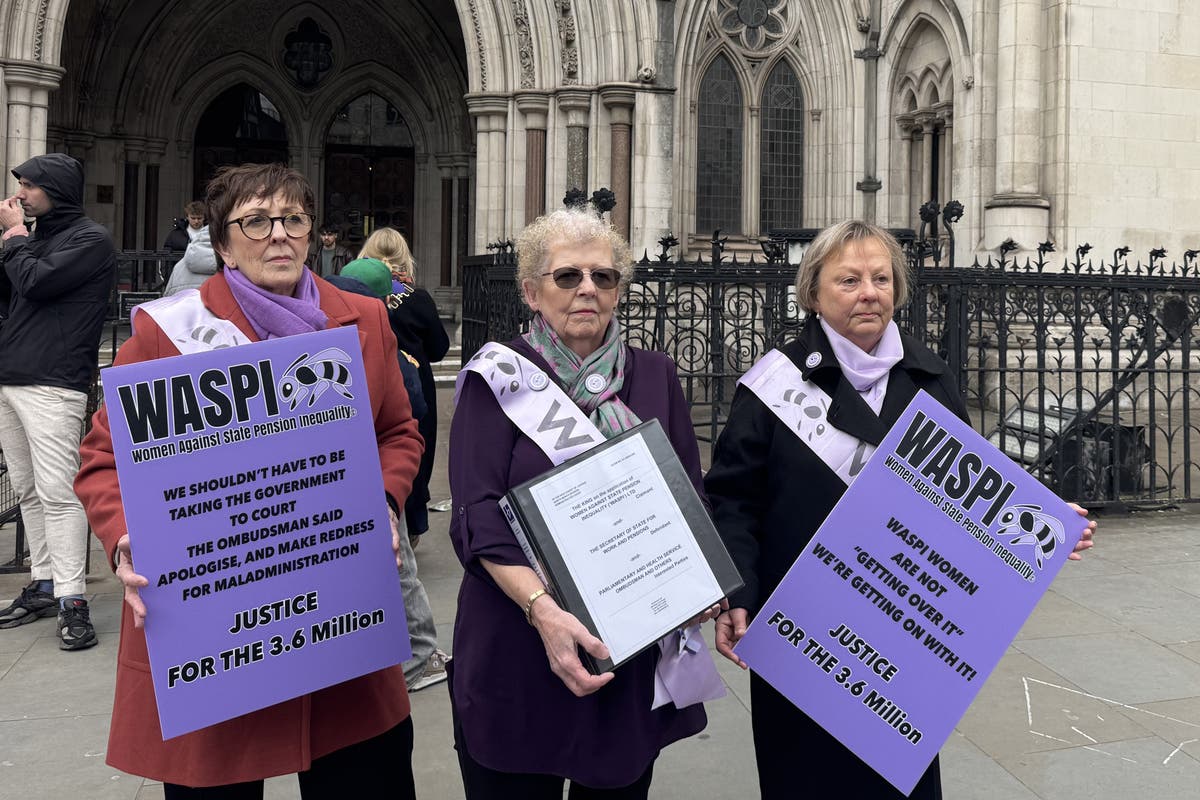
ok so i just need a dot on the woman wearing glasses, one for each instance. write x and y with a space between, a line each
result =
528 715
352 739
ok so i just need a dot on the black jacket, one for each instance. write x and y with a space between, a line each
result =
178 238
769 491
60 281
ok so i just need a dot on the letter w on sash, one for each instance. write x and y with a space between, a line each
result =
565 425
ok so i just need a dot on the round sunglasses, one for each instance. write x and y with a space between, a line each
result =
571 277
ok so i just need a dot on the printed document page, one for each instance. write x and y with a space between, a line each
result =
627 544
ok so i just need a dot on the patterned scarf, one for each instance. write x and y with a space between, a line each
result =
606 411
274 316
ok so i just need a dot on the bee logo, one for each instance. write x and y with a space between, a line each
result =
508 368
210 338
1035 528
312 377
810 422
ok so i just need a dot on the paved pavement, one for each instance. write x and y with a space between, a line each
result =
1098 698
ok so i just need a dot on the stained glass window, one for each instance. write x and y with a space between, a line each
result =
719 151
781 166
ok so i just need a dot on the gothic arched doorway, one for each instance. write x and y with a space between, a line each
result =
241 126
369 166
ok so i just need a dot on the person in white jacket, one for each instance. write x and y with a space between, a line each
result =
193 269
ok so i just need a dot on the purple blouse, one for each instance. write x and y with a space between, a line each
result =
516 715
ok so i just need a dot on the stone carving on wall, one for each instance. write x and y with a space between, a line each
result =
754 25
308 54
479 46
569 51
524 43
39 32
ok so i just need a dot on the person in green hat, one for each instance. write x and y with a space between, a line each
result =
373 274
427 665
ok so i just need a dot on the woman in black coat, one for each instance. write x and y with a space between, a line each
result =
419 332
770 492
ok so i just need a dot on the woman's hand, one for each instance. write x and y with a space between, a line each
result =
394 522
731 627
712 612
131 580
1085 543
561 634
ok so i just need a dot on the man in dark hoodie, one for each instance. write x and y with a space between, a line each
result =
59 278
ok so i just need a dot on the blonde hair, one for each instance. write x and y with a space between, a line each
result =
390 247
830 243
568 226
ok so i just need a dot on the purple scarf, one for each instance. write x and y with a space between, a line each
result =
867 372
274 316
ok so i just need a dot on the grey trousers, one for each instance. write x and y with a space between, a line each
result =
40 427
422 632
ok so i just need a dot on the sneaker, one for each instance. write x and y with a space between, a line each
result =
435 672
31 605
75 626
414 539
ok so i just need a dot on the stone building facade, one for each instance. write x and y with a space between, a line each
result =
1063 120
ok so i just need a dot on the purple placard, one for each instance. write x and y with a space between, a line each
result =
253 496
889 623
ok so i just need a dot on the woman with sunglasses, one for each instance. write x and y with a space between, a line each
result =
527 714
353 739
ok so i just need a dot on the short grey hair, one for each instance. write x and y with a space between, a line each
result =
568 226
831 241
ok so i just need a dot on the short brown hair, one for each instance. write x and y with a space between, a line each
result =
831 241
234 185
194 209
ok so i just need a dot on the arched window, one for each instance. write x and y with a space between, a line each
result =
719 156
241 126
781 161
369 170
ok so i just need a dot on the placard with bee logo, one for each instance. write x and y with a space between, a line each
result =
250 478
888 624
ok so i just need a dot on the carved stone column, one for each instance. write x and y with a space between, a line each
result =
134 148
154 152
619 101
445 165
28 85
945 116
533 106
491 120
577 103
905 190
928 121
1018 209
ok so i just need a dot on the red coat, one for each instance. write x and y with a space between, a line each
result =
286 737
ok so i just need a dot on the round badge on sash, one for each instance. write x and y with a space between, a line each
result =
813 360
595 383
538 381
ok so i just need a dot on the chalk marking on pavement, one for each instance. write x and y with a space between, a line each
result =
1177 749
1084 735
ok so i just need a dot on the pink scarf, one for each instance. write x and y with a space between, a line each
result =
867 372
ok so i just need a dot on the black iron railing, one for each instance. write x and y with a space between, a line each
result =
1080 368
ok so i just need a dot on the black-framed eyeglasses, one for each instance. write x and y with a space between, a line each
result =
259 226
571 277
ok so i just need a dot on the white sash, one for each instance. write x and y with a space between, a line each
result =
535 404
189 324
804 407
